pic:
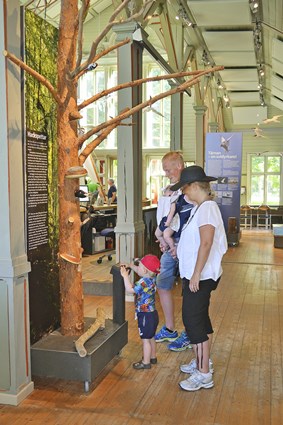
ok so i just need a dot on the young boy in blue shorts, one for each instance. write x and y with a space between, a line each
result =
147 315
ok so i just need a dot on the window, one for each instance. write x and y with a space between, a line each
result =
155 180
156 120
92 83
265 179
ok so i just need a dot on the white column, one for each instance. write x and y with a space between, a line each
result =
213 127
15 370
130 226
200 142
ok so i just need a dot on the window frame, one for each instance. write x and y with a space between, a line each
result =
265 174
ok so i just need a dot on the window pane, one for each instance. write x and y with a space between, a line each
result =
273 164
156 181
90 116
257 190
273 190
156 119
257 164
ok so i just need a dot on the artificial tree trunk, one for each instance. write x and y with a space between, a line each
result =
70 274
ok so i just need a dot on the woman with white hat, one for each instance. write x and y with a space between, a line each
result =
200 250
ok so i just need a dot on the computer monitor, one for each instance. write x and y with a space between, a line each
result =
86 199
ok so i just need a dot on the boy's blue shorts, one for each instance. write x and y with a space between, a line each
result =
147 324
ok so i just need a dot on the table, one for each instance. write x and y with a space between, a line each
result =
104 207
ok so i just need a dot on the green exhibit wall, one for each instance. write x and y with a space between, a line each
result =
41 40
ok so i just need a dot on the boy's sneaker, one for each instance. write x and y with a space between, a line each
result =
197 381
181 343
192 367
165 335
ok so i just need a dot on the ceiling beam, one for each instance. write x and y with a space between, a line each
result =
169 40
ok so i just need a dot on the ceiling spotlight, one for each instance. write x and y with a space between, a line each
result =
261 70
205 58
182 14
226 97
254 6
219 84
261 99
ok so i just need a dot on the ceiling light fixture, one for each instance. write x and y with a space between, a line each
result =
261 70
182 14
261 98
205 58
219 84
226 100
257 37
226 97
254 6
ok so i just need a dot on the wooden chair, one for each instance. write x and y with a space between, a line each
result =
246 218
263 217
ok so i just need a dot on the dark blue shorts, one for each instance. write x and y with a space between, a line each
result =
147 324
195 310
162 226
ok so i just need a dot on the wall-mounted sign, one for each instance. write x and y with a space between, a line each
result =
224 161
37 194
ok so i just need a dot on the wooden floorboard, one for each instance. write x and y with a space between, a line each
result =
247 351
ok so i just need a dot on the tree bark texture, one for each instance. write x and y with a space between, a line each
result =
70 274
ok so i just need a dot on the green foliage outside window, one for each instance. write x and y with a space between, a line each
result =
265 180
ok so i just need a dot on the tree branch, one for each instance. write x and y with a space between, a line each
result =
82 15
92 145
99 324
35 74
125 114
105 31
133 84
100 55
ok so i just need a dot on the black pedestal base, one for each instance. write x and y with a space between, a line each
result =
55 355
233 239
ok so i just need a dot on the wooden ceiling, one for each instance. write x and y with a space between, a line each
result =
244 38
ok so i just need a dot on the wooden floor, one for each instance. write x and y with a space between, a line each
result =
247 314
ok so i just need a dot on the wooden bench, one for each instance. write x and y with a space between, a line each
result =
278 235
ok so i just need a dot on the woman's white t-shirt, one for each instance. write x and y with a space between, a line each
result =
188 246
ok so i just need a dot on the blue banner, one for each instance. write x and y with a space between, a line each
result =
223 159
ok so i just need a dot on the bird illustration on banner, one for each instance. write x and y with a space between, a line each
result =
224 143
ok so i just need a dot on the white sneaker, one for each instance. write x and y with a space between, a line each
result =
197 381
192 367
